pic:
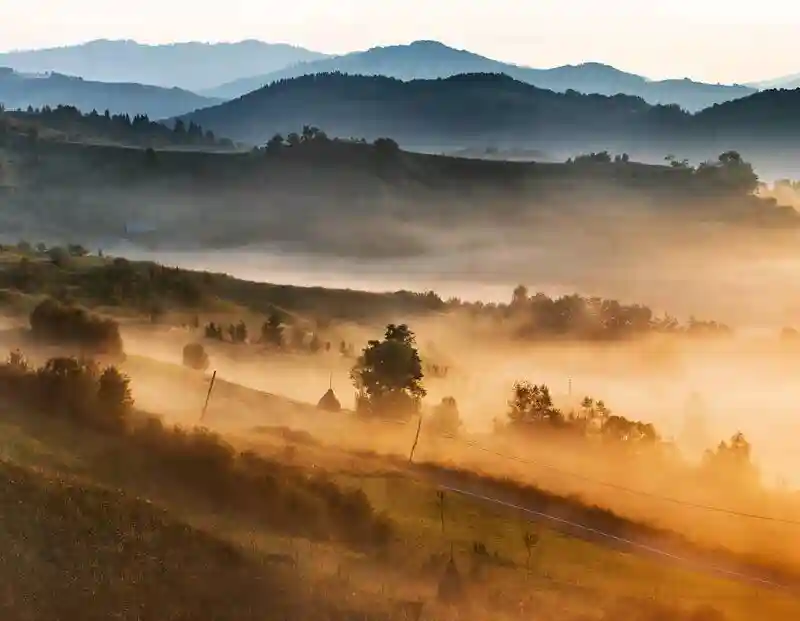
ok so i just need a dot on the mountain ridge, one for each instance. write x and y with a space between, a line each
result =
426 59
191 65
496 110
19 91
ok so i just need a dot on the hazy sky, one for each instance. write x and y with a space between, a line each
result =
711 40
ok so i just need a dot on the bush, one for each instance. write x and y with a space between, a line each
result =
71 387
66 324
279 495
195 357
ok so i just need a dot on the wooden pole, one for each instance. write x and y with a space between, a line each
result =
416 439
208 396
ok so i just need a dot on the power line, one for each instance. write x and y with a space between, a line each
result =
628 542
622 488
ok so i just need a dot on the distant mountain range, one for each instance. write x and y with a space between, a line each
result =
787 82
480 110
18 91
192 66
431 60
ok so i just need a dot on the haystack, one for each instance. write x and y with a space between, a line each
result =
451 589
329 402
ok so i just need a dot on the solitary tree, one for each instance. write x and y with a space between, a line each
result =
388 374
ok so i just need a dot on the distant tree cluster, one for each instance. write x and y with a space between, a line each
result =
63 324
587 318
311 136
137 130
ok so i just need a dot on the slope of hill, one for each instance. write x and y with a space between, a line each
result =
191 65
430 60
476 110
19 91
123 558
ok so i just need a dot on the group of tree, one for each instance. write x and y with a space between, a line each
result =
588 318
66 324
388 378
76 387
311 136
138 130
277 334
233 333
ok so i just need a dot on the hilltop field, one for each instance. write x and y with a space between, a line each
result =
299 508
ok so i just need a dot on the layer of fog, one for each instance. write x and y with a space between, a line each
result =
743 278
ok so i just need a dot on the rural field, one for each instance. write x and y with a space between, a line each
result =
248 499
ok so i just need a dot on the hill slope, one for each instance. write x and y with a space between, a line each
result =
82 552
430 60
191 65
19 91
473 110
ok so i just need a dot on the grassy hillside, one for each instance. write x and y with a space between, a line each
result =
73 550
566 578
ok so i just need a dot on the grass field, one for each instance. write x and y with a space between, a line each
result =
567 578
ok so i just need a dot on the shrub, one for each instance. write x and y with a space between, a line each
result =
195 357
57 323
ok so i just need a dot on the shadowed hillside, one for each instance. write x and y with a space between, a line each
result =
431 60
479 110
74 551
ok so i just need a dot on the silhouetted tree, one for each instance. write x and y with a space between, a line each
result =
388 374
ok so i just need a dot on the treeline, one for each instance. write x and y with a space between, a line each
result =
200 462
155 289
277 332
312 136
137 130
590 318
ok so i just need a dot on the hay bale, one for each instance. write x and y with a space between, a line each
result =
329 402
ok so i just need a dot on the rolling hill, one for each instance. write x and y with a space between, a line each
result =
19 91
431 59
479 110
192 65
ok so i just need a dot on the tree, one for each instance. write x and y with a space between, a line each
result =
274 144
114 398
445 419
388 374
532 404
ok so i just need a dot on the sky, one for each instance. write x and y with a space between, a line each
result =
708 40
